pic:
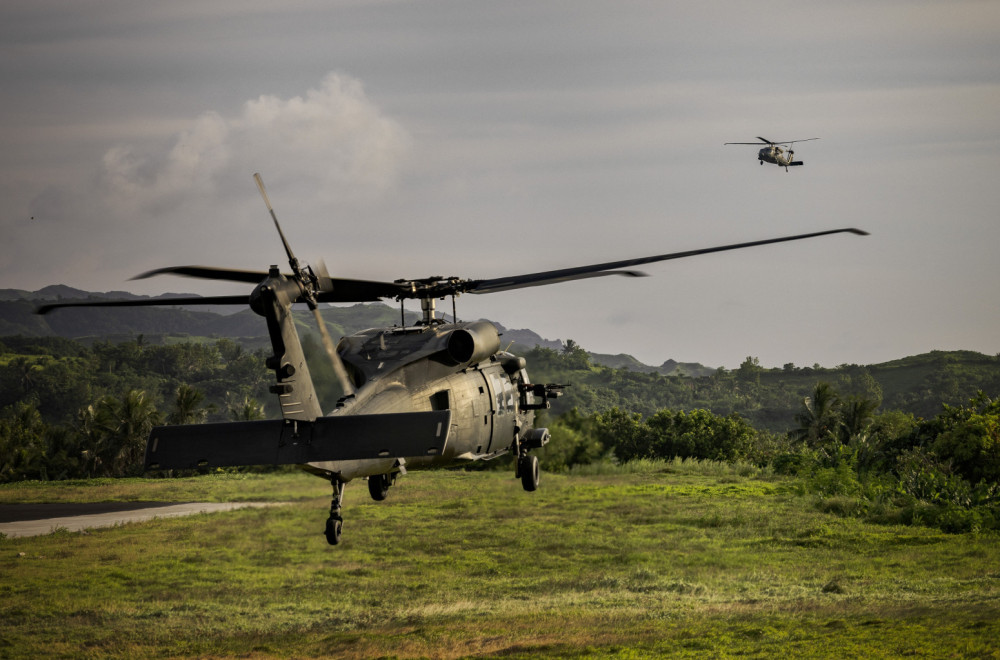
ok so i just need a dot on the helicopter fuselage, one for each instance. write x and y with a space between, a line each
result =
777 155
456 367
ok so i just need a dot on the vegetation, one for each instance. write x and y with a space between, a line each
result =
674 559
889 468
73 411
767 398
820 512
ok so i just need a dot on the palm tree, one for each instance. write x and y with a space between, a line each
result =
94 425
819 419
857 415
24 368
22 446
246 409
137 416
187 406
116 432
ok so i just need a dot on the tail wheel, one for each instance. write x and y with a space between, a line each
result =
528 469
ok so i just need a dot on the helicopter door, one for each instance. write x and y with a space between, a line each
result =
504 409
483 410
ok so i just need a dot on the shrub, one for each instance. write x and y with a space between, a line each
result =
840 480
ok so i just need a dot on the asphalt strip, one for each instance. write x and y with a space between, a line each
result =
40 519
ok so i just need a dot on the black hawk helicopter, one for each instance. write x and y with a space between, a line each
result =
430 395
774 153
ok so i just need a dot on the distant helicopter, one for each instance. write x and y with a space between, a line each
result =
773 153
430 395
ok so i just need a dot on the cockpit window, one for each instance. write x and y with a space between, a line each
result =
498 394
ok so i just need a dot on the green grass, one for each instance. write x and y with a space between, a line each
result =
219 487
670 560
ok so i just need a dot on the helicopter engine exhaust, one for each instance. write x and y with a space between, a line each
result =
473 343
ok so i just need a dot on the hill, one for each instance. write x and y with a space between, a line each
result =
18 317
157 324
768 398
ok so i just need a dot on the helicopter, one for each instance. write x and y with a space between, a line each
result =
773 153
429 395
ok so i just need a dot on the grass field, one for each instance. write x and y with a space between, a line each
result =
669 560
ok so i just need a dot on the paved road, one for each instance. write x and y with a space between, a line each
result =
38 519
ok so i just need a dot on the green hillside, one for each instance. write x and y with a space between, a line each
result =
908 441
768 398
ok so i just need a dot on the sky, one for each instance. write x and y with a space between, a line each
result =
410 138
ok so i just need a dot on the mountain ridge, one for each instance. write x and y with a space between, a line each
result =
18 317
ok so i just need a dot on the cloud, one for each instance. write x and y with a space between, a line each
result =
189 195
333 139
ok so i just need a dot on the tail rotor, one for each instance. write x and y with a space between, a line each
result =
311 285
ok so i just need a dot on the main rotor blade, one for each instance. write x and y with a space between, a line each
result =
344 290
539 279
611 268
336 289
147 302
785 141
333 289
208 273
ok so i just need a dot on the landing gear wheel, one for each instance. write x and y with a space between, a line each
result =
335 524
378 486
334 527
527 467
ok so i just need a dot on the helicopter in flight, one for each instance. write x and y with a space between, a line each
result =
775 153
433 394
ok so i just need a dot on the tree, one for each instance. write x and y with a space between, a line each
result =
971 439
135 416
245 409
699 434
25 370
749 371
188 407
574 356
94 426
624 433
819 418
113 434
574 441
856 417
63 458
22 445
887 438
